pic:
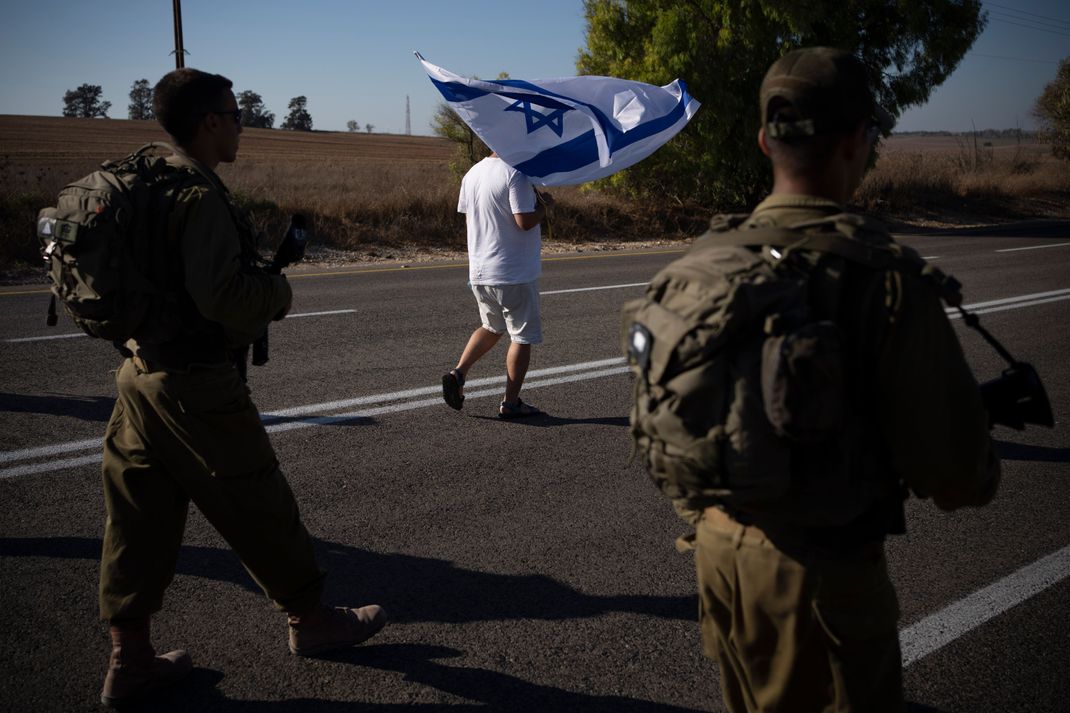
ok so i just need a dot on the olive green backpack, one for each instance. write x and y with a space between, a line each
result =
105 243
737 378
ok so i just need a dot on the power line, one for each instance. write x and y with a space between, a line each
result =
1046 18
1039 24
1017 59
1033 27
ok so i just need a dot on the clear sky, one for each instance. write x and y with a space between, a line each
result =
353 59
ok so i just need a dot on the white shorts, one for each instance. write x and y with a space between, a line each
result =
511 308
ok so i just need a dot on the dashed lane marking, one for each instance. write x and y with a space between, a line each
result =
1033 247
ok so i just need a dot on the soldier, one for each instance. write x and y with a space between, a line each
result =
795 600
184 428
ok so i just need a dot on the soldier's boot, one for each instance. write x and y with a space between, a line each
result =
329 628
134 669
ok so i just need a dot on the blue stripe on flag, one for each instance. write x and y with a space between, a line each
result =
583 149
573 154
457 92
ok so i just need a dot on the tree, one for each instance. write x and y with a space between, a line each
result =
85 102
140 106
369 127
470 149
1052 110
448 125
299 119
353 125
253 112
722 48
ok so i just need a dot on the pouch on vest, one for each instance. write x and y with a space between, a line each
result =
104 243
741 395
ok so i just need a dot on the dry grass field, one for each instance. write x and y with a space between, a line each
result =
385 196
380 195
961 180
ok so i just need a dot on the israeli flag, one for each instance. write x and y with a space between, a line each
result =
570 130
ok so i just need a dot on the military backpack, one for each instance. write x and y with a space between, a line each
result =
743 394
105 243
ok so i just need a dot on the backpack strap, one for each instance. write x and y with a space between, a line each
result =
892 256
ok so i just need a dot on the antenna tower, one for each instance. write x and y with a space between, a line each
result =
408 117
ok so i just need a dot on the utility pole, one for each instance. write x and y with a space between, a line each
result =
180 51
408 117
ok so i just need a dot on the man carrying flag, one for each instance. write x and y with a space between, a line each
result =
504 262
551 132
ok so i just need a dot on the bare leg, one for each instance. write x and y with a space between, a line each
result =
516 368
479 343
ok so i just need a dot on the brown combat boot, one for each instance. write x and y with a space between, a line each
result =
330 628
134 669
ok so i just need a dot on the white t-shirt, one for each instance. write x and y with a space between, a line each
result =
499 252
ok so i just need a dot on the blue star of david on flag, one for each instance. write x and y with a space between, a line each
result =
536 120
597 125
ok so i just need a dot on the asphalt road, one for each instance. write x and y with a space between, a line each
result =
527 566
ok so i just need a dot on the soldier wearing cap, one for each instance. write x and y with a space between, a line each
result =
805 618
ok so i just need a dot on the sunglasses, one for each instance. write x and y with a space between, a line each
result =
873 129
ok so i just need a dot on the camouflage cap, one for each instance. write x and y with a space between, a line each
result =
817 90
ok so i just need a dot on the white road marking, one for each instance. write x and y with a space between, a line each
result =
378 404
423 391
320 314
53 450
1037 298
69 335
50 465
412 405
937 630
1033 247
592 289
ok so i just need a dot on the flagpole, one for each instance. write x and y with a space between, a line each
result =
180 51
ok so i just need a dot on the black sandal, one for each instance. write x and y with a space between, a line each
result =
451 389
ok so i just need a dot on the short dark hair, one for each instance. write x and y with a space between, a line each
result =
183 96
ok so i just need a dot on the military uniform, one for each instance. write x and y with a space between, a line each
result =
184 428
805 618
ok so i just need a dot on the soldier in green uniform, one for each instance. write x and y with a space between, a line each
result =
805 618
184 428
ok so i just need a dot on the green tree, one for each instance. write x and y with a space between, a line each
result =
721 49
1052 110
298 119
448 125
85 102
140 106
253 113
353 125
469 148
369 127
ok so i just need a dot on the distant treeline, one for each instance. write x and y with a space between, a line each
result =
981 134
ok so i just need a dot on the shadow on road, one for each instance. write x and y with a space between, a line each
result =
87 408
485 690
1027 229
271 420
546 420
414 589
1024 451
